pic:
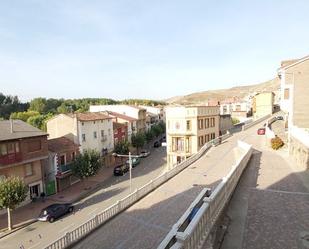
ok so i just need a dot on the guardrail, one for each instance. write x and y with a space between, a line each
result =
204 219
83 230
246 126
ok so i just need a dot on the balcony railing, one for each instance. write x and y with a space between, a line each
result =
10 158
65 168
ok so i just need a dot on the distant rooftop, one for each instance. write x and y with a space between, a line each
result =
20 130
90 116
119 115
61 144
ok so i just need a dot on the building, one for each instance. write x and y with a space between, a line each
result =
294 86
225 124
188 129
23 153
120 132
89 130
240 109
135 112
130 122
62 152
263 104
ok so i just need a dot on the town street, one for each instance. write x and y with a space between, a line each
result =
40 234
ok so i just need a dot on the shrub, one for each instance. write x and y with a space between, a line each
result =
276 143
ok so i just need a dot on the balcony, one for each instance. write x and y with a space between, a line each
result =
10 158
65 168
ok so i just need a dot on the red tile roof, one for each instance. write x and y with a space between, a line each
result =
122 116
61 144
91 116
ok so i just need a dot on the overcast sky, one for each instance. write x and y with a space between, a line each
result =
145 49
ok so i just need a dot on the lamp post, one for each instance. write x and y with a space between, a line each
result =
130 164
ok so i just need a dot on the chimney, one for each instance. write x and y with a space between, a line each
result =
12 128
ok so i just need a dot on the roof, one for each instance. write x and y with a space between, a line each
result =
122 116
118 125
137 107
291 63
61 144
91 116
20 130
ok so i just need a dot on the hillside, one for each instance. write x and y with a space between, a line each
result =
218 95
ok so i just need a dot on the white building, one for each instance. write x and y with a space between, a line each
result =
132 111
89 130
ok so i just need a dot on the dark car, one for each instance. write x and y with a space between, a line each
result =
261 131
156 144
54 211
279 118
120 170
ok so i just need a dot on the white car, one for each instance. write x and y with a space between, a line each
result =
144 153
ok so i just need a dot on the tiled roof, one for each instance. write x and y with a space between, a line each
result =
20 130
91 116
122 116
61 144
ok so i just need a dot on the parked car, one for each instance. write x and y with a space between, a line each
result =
261 131
144 153
120 170
279 118
54 211
156 144
135 162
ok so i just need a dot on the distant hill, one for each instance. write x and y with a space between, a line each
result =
218 95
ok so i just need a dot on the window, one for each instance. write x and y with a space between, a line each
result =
73 156
238 108
93 122
10 147
212 122
62 160
94 134
200 124
28 169
212 135
286 93
3 150
206 122
34 146
16 147
84 137
188 125
109 132
82 123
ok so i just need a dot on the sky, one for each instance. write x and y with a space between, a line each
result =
145 49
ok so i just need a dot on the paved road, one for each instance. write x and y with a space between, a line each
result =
145 224
41 234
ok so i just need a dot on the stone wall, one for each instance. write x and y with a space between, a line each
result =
300 153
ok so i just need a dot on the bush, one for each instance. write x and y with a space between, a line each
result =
276 143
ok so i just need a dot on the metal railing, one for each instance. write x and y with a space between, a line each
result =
199 228
80 232
246 126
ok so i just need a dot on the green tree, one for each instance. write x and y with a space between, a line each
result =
157 130
235 121
149 135
138 140
24 116
39 121
13 191
87 164
9 104
122 147
38 105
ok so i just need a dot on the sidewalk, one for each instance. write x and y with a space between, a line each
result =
27 214
269 208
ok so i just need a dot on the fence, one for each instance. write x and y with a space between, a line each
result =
84 229
199 228
246 126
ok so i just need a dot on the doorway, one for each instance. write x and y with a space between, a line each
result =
35 191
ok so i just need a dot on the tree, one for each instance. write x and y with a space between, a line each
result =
138 140
38 105
122 147
235 121
9 104
24 116
13 191
157 130
87 164
149 135
39 121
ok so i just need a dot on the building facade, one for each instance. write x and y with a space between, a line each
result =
135 112
263 104
62 152
120 132
89 130
188 129
23 153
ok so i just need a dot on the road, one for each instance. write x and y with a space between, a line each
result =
40 234
146 223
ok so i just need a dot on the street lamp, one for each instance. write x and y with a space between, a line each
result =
130 164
